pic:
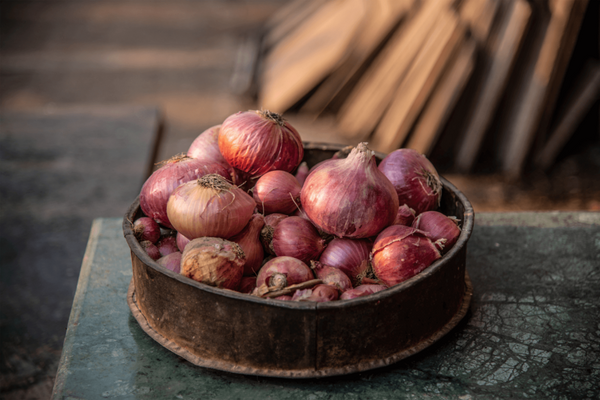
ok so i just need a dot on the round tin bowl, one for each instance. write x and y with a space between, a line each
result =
240 333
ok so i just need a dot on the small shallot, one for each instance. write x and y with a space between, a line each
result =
146 228
297 237
266 234
171 261
167 245
442 230
283 271
249 241
348 255
182 241
277 192
405 216
150 249
331 276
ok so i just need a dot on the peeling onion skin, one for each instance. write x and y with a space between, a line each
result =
347 255
442 230
415 179
405 216
249 241
297 237
277 192
362 290
350 197
213 261
206 147
161 184
400 252
293 270
257 142
209 206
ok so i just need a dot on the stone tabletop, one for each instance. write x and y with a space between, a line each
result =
532 331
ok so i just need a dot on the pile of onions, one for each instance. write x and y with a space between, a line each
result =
350 197
283 271
257 142
297 237
209 206
415 179
161 184
400 252
277 192
249 241
213 261
442 230
348 255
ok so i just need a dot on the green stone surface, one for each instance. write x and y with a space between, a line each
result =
533 329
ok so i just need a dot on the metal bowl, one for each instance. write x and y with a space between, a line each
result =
240 333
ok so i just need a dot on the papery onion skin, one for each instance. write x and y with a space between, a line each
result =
206 147
247 284
401 252
293 270
213 261
284 297
171 261
182 241
405 216
249 241
442 230
167 245
209 206
362 290
277 192
159 186
415 179
347 255
145 228
266 233
150 249
331 276
349 197
257 142
320 293
297 237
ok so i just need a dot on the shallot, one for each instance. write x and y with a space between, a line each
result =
348 255
331 276
249 241
167 245
182 241
442 230
277 192
283 271
405 216
146 228
297 237
320 293
171 261
266 234
150 249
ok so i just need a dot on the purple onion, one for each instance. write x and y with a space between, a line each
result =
348 255
282 272
405 216
441 229
146 228
331 276
171 261
167 245
277 192
150 249
298 238
266 233
302 173
182 241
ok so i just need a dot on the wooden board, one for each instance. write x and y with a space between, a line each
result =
288 19
479 15
415 88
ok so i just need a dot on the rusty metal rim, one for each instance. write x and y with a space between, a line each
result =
298 374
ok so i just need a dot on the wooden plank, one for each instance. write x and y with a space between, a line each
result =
418 83
479 15
370 98
443 100
493 80
288 19
584 94
525 124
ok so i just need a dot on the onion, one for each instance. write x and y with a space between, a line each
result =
257 142
283 297
159 186
302 173
247 284
350 197
213 261
171 261
297 237
206 147
182 241
331 276
146 228
283 271
320 293
362 290
405 216
249 241
209 206
150 249
415 179
442 230
348 255
266 234
277 192
167 245
400 252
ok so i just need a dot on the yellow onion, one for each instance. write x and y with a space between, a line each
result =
209 206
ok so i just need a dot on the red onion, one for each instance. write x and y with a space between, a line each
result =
206 147
151 249
320 293
298 238
302 173
171 261
282 272
249 241
331 276
442 230
277 192
400 252
167 245
284 297
146 228
209 206
405 216
213 261
257 142
266 234
361 290
350 197
159 186
348 255
415 179
247 284
182 241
